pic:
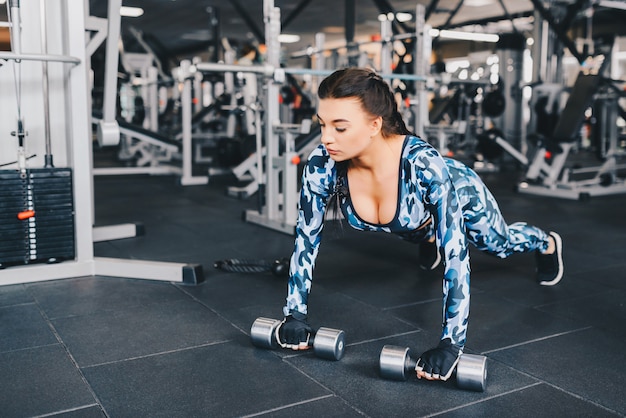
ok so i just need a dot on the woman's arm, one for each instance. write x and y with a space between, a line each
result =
441 199
317 182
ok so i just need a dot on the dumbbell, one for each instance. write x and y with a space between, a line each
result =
471 371
327 343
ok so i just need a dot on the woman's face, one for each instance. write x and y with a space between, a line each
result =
347 130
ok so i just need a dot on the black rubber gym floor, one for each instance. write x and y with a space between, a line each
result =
102 346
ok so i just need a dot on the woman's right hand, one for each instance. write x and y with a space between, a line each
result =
439 362
295 332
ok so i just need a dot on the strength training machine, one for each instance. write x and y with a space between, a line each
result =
54 249
547 175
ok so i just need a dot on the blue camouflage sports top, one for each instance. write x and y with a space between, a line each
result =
426 191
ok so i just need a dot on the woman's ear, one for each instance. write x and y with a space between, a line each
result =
376 125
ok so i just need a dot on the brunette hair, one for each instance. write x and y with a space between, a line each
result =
371 90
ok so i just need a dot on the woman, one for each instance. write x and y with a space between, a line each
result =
439 202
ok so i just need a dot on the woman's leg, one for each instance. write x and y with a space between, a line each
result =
487 229
489 232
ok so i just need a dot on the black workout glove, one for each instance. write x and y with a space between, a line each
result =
295 330
439 362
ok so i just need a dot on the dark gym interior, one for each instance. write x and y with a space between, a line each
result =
155 121
103 346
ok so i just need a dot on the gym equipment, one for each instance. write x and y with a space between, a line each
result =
278 209
505 102
36 216
494 103
279 268
274 167
396 363
68 88
547 175
491 144
327 343
36 205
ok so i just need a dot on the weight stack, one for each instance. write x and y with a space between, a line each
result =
36 216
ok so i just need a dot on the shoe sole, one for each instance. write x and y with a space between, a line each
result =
559 252
435 263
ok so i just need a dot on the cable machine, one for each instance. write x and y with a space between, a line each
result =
48 194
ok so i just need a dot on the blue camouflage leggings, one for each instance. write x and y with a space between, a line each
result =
485 226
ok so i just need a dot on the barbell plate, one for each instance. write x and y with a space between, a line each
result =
262 332
471 372
329 343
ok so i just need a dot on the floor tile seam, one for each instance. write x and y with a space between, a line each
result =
317 382
511 300
332 392
488 398
609 290
17 305
214 311
546 337
118 312
579 397
69 355
494 294
291 405
407 305
160 353
565 317
556 387
331 290
386 337
64 411
35 347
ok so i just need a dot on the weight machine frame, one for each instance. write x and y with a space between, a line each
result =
79 156
549 176
275 173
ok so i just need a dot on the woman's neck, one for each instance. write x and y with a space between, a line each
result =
380 155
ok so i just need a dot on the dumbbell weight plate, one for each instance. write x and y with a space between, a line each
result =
471 372
395 362
329 343
262 332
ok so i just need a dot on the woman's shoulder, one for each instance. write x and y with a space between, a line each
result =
416 147
320 158
319 151
320 172
319 163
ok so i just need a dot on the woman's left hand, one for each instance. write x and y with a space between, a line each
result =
438 363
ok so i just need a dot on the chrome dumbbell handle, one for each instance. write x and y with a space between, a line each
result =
397 363
327 343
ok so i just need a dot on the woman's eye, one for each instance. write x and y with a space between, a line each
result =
340 129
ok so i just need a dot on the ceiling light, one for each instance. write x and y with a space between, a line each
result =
286 38
478 3
127 11
464 36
